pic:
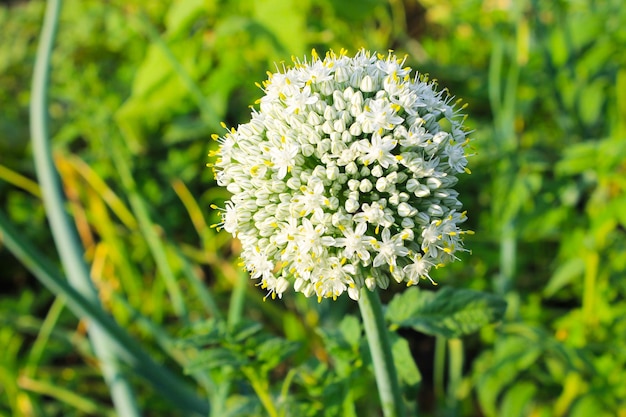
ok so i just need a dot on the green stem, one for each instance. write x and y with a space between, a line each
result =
592 261
455 372
261 391
148 230
347 408
66 395
235 313
439 368
380 350
284 393
169 385
238 298
41 343
64 235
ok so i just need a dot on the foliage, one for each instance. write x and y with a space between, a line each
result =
136 90
447 313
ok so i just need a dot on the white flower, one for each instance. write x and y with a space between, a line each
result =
284 158
311 239
456 157
379 115
418 269
344 177
258 263
375 215
378 149
355 242
335 278
298 100
388 250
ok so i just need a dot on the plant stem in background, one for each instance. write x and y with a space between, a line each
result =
64 235
169 385
439 368
39 345
455 373
503 106
380 350
148 229
238 298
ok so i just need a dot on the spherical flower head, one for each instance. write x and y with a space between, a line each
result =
344 177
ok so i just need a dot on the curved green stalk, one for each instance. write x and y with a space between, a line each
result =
261 390
238 298
380 349
169 385
439 368
146 226
39 345
65 237
455 372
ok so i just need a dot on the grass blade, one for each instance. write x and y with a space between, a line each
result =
53 199
126 348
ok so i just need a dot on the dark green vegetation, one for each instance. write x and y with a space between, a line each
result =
136 90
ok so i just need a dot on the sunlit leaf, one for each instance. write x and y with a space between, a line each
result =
408 371
275 350
565 273
215 358
449 312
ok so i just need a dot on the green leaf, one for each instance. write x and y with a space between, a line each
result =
181 15
344 339
512 356
284 18
588 406
350 329
342 343
244 330
517 401
275 350
408 371
591 101
203 334
448 312
215 358
564 274
578 158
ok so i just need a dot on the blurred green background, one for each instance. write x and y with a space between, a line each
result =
137 88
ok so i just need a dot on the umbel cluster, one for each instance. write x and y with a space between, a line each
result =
344 177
